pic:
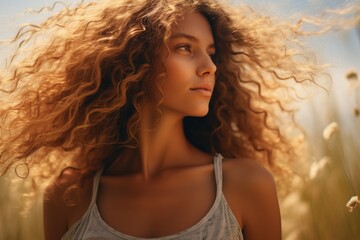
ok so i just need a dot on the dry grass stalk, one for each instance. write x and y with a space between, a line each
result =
352 203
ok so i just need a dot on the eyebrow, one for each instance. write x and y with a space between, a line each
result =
190 37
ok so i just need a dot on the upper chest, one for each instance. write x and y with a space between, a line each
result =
168 204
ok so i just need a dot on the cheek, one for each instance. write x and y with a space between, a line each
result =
178 72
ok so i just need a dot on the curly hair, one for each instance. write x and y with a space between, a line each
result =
72 89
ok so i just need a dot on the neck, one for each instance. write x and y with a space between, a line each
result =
163 144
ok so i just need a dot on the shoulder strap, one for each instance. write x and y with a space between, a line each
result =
218 172
96 186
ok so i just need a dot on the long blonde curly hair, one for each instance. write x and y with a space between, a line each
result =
71 91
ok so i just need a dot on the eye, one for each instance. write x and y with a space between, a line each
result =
185 48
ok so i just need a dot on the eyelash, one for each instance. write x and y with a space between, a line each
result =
187 48
184 47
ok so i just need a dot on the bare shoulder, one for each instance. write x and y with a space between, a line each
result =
60 212
251 193
248 176
247 170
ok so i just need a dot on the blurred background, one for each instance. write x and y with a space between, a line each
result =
315 207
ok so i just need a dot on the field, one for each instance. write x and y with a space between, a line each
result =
315 207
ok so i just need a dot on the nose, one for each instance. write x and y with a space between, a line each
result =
206 67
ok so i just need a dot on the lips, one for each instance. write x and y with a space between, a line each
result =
204 89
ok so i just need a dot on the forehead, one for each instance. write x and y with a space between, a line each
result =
195 24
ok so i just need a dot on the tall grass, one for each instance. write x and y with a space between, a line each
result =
316 210
17 221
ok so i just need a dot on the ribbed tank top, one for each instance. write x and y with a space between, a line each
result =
219 223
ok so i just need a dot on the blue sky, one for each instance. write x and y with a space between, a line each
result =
14 13
340 49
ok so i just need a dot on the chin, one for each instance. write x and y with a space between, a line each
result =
199 113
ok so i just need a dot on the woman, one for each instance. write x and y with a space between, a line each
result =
153 119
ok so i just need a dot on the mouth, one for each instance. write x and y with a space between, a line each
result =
204 91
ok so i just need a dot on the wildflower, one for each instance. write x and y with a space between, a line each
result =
352 203
330 130
317 166
352 75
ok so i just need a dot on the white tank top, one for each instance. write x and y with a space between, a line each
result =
219 223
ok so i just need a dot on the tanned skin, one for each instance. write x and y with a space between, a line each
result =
175 178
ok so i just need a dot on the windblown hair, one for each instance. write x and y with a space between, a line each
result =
71 92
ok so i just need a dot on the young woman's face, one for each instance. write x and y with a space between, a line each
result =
190 70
